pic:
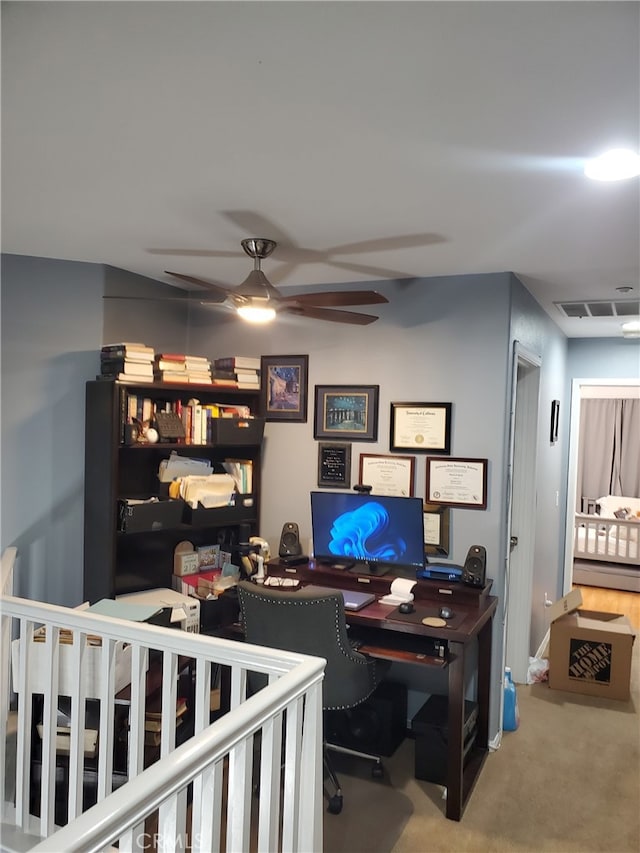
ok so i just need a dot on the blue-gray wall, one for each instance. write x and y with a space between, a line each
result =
54 321
438 339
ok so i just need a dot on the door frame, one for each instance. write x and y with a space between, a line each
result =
521 510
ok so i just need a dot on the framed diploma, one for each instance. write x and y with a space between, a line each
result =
436 529
457 482
334 465
387 475
421 427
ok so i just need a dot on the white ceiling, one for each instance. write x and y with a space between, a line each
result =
386 139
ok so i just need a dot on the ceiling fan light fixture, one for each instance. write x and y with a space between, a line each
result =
631 329
615 165
256 311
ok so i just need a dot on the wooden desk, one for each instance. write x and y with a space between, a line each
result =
387 634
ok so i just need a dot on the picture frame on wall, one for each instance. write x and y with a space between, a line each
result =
284 381
457 482
420 427
334 465
346 412
555 421
436 529
386 474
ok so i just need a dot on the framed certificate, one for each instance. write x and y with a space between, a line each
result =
436 529
421 427
457 482
387 475
334 465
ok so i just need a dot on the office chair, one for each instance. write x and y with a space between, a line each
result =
314 623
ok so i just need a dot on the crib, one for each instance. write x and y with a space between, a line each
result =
606 548
96 771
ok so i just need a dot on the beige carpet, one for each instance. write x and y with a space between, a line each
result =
567 780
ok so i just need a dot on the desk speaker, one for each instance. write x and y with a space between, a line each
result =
290 541
475 566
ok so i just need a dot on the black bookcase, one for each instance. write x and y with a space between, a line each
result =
116 561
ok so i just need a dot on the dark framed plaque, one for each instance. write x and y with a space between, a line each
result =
334 465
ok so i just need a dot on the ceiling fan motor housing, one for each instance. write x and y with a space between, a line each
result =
258 247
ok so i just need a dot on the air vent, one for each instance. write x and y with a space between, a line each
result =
601 308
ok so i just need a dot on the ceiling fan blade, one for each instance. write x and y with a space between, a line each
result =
314 313
196 253
209 285
387 244
336 298
365 269
193 299
255 223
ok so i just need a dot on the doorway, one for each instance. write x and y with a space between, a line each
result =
581 388
521 510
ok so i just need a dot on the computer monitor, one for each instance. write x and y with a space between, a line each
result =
375 533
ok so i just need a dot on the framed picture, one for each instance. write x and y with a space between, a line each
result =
555 420
436 529
422 427
346 411
334 465
284 387
387 475
457 482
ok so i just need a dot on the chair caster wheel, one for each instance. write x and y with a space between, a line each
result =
335 804
377 771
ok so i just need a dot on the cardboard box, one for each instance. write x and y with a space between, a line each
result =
589 651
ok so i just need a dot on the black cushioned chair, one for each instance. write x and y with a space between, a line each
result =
312 622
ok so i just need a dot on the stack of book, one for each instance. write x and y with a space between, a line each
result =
198 369
153 723
237 371
127 361
178 367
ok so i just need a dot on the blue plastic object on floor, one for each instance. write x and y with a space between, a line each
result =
511 717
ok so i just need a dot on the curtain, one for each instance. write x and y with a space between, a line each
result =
609 449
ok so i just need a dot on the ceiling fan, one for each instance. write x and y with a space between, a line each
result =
258 301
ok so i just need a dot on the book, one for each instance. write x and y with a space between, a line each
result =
134 357
125 365
224 383
170 356
171 376
173 365
126 348
126 377
233 362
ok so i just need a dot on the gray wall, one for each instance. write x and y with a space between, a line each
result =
602 358
438 339
52 330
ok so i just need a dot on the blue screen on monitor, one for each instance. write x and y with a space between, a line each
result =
370 529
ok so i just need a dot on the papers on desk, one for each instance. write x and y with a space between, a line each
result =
400 592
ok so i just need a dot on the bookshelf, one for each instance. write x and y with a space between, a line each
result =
117 561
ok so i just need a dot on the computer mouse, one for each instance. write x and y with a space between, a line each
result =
445 612
406 607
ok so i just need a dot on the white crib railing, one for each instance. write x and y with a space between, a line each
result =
200 793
